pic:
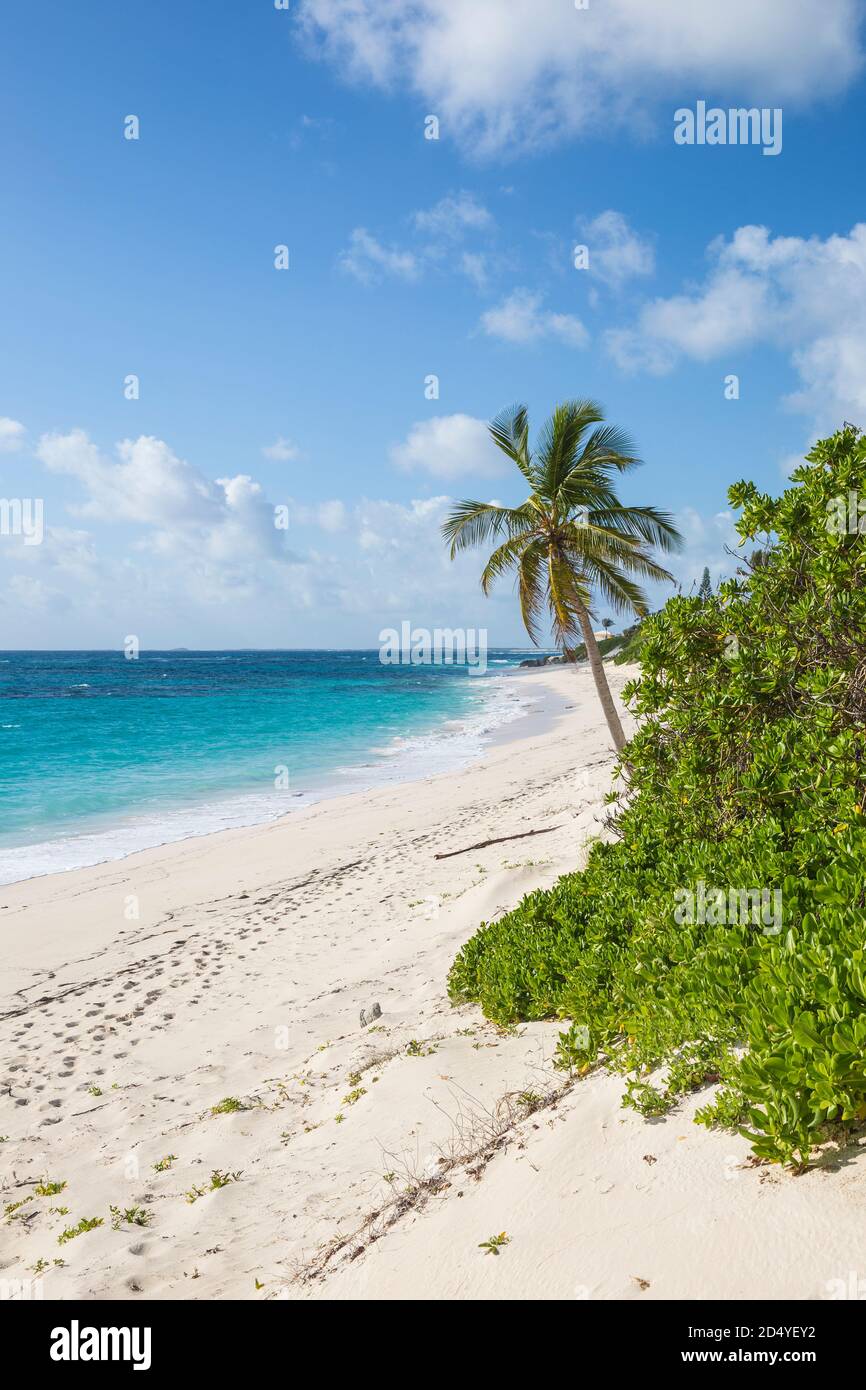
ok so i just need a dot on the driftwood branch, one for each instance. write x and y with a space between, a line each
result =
482 844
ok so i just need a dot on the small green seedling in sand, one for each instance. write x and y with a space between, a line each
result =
129 1216
217 1180
39 1266
258 1284
416 1049
58 1211
85 1224
165 1163
230 1105
338 1119
48 1189
94 1090
389 1177
495 1243
354 1078
529 1099
354 1096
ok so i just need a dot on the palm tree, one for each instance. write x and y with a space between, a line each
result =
572 535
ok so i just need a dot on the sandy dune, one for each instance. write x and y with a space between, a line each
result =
243 978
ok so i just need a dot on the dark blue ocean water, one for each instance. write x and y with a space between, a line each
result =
100 755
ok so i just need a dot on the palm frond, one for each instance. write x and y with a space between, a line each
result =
621 593
504 558
610 447
560 443
530 587
566 593
469 523
510 432
645 523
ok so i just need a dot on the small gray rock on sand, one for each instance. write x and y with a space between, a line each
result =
368 1015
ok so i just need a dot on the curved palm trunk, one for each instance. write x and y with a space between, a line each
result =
598 674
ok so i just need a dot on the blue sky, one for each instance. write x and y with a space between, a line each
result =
305 388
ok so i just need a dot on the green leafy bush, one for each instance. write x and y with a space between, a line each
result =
746 774
630 648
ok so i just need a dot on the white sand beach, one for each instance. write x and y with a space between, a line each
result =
363 1162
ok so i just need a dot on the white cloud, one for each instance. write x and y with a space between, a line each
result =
332 516
61 574
282 451
449 446
146 483
182 560
521 319
439 230
616 252
12 434
405 571
217 531
704 542
30 593
473 264
368 260
547 70
806 297
452 216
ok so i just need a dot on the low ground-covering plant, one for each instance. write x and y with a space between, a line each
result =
129 1216
218 1179
721 933
494 1244
87 1223
45 1188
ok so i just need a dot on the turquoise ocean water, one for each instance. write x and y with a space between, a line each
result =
100 756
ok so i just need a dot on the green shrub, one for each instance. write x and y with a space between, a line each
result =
747 772
630 648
